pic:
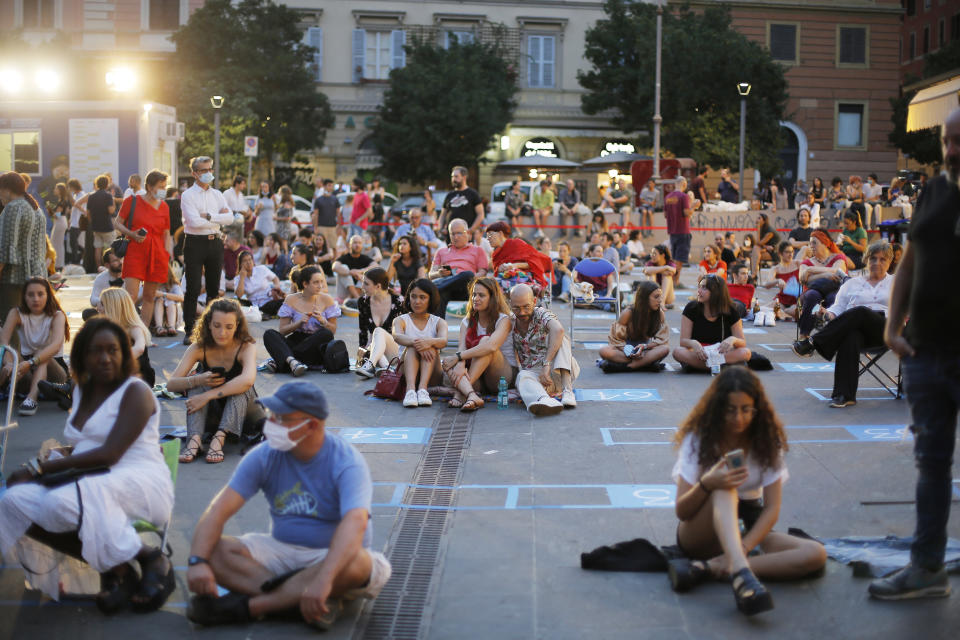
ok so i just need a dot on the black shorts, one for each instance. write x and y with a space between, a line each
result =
747 510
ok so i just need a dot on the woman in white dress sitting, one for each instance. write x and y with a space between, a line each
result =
49 529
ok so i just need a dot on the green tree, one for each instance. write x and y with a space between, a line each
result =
421 131
923 146
251 53
703 60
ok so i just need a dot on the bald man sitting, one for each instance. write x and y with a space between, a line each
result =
544 356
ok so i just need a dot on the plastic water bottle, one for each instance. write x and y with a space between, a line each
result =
503 399
715 369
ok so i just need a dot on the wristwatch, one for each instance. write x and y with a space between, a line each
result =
459 357
193 561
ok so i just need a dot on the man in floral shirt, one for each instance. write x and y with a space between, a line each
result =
543 355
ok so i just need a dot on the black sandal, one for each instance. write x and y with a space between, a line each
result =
191 450
116 591
215 456
751 596
155 587
686 574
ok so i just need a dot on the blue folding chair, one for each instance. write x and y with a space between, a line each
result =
595 268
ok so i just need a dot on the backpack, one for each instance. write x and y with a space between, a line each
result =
335 357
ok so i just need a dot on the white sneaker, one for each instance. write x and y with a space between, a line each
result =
410 399
771 320
545 406
423 398
568 399
366 369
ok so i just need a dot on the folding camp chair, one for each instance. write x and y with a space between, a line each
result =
870 363
7 426
595 268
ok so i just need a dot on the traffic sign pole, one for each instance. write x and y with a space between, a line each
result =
251 146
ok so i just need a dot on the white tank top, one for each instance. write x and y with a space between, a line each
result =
34 333
411 330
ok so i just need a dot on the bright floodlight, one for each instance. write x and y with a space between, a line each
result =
121 79
217 101
47 80
533 174
613 173
11 80
743 88
504 143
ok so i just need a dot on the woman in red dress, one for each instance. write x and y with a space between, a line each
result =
514 260
148 254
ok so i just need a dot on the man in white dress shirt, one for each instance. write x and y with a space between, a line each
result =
204 212
237 204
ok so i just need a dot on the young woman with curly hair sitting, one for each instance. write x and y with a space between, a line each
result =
730 467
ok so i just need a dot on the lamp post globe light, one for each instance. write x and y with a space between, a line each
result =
743 89
217 103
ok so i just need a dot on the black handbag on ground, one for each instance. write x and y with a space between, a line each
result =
120 245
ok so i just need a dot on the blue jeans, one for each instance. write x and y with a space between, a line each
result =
932 381
562 286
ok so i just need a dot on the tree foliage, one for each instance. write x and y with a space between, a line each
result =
251 53
443 108
703 60
923 146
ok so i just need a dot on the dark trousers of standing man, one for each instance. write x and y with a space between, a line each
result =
932 382
845 337
202 257
455 287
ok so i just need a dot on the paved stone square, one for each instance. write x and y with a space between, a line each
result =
532 494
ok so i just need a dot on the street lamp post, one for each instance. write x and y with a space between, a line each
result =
743 89
217 103
657 119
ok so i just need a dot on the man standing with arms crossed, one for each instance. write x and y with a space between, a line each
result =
930 352
204 211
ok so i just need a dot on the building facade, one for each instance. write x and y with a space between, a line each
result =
928 25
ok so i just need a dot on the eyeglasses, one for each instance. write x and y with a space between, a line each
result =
744 410
458 233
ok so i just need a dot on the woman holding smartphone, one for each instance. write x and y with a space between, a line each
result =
729 468
218 367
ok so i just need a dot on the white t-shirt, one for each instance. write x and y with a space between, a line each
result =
506 348
257 286
688 468
75 212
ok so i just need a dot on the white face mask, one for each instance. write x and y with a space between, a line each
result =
206 177
160 194
278 436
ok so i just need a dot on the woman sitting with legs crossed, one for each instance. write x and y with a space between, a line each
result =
709 320
640 337
219 367
485 353
730 467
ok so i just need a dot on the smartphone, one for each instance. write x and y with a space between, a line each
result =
218 371
447 267
734 459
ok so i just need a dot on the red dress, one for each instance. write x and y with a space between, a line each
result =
148 260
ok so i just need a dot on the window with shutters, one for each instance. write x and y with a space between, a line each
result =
313 37
541 61
164 15
853 46
851 125
376 52
783 41
38 14
457 37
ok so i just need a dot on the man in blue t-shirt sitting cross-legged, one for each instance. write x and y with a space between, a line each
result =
317 553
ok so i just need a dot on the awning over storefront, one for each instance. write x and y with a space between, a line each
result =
931 106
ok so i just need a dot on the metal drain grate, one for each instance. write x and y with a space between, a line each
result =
416 543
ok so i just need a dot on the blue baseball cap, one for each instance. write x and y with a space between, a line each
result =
298 396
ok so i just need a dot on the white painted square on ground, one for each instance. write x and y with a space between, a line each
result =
806 367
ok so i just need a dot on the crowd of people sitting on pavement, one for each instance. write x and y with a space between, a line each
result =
509 338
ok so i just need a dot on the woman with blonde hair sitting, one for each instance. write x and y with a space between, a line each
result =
115 303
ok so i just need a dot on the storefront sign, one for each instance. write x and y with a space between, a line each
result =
615 146
540 147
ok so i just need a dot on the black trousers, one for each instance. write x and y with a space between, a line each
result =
845 337
75 252
203 258
305 347
455 287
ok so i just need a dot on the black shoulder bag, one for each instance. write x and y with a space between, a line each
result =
120 245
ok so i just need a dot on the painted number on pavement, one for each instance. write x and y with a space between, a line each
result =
872 433
804 367
618 395
634 496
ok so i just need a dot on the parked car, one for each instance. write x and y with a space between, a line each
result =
415 199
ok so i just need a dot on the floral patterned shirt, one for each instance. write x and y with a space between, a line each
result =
531 348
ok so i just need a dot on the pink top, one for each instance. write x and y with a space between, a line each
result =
470 258
361 203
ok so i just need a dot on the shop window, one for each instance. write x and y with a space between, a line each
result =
20 151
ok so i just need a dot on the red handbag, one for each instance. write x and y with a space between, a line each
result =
391 385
